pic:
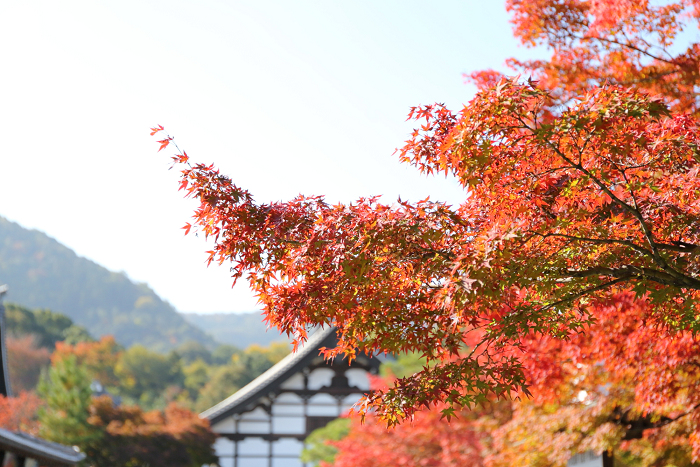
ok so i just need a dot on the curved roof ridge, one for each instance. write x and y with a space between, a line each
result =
272 378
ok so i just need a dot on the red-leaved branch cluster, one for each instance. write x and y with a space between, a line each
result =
582 199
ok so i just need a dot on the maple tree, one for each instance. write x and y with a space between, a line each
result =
641 44
427 440
572 196
25 361
628 391
175 436
18 413
99 358
619 387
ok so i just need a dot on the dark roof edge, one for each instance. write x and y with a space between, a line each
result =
273 377
40 448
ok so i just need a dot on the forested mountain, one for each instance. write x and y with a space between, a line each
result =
42 273
239 329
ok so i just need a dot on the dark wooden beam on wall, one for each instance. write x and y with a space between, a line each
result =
5 388
608 459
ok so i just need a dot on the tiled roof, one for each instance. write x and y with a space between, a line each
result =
272 378
45 451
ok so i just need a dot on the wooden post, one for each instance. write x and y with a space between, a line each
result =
608 459
5 388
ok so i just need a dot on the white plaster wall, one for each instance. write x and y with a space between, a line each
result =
287 447
320 377
296 381
322 405
253 447
288 425
252 462
288 409
253 427
288 404
358 378
286 462
257 414
288 398
223 447
586 459
226 425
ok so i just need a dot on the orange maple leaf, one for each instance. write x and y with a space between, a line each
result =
164 143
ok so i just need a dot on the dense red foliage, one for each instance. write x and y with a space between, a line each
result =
427 440
633 43
566 207
99 358
174 437
25 360
619 387
19 413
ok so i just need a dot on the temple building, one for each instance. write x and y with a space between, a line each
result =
265 423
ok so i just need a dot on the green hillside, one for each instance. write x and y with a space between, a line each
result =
240 330
42 273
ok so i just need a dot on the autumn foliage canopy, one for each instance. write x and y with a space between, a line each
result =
581 192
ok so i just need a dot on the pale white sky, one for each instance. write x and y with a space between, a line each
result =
287 97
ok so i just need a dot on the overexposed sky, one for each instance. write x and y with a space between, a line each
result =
287 97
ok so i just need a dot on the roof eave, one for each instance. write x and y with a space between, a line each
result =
272 378
41 450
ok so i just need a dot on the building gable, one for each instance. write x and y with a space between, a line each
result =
266 422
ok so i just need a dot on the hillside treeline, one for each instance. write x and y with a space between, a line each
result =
42 273
120 406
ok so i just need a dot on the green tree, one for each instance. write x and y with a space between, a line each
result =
196 377
193 350
274 352
227 379
224 353
64 418
251 363
144 374
224 381
48 326
318 449
76 334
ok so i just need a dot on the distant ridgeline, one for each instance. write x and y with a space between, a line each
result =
42 273
239 329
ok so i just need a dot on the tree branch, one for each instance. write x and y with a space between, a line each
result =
658 259
630 46
600 241
635 272
575 296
